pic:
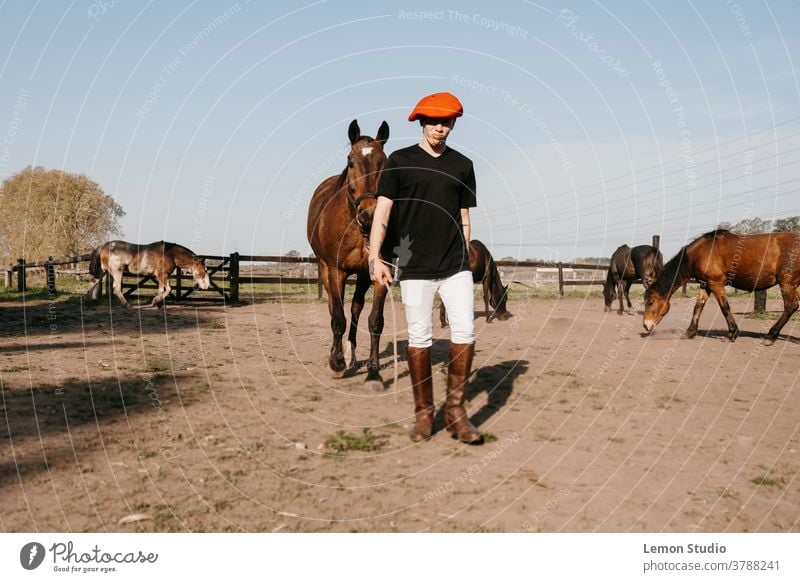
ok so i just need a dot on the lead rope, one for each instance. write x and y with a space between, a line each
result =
394 324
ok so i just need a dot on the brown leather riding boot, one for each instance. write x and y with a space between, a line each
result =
419 367
455 416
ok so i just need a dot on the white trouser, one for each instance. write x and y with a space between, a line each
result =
458 298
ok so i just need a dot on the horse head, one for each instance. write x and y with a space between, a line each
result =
500 311
656 306
199 273
609 293
364 165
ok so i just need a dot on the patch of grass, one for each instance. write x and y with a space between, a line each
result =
164 513
340 443
147 454
251 449
12 369
767 480
770 315
215 324
726 493
488 437
665 402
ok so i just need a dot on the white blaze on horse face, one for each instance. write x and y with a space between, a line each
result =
203 282
365 151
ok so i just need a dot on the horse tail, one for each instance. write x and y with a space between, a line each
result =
95 266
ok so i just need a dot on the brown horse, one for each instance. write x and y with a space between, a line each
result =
339 221
719 258
628 264
484 271
158 259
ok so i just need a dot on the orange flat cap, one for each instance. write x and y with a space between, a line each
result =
437 105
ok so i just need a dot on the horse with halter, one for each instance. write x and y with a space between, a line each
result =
719 258
338 226
628 264
158 259
484 271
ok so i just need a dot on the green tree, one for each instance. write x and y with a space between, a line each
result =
53 213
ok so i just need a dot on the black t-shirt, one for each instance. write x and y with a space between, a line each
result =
428 194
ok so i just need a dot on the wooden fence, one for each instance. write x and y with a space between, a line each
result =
226 277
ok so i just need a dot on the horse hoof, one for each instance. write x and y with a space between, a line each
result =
374 385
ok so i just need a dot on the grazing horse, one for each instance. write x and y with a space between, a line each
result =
484 271
158 259
627 265
339 221
719 258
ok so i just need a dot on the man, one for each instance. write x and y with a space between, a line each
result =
431 187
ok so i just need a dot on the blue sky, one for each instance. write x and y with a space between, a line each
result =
591 124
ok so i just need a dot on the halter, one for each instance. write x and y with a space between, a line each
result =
356 202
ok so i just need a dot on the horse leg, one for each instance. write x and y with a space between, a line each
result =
628 283
620 292
336 280
719 295
92 285
489 314
790 305
699 303
163 290
374 379
356 307
117 276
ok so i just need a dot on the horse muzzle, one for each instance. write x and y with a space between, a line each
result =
203 283
649 325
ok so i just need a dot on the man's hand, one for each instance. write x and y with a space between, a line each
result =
379 272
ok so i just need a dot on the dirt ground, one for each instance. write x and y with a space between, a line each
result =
213 418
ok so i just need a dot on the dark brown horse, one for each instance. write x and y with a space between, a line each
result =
627 265
158 259
719 258
339 221
484 271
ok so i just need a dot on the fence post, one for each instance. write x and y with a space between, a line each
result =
21 275
656 241
8 278
319 283
760 301
50 276
178 277
560 278
233 275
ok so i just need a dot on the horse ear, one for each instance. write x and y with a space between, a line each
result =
383 133
353 132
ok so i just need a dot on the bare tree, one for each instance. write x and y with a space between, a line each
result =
51 212
788 224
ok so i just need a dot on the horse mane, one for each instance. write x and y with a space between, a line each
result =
677 270
171 245
341 181
715 233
